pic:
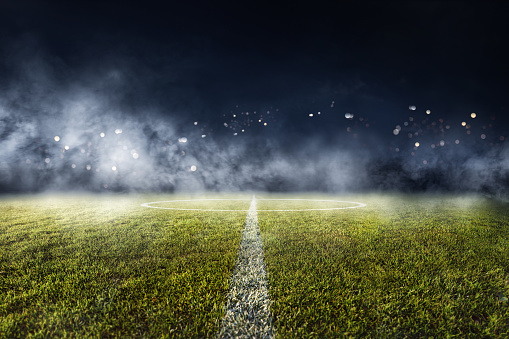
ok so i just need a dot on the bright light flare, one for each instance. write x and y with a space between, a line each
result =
349 115
57 138
412 107
473 115
118 131
183 140
428 111
102 135
193 168
113 168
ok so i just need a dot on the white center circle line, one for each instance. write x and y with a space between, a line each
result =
149 205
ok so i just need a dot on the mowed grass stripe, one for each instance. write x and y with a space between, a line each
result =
103 266
248 306
403 266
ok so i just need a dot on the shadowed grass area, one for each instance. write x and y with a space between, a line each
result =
403 266
103 266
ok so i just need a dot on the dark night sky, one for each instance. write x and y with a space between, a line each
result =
375 56
197 60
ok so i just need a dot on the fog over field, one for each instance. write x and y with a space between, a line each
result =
131 105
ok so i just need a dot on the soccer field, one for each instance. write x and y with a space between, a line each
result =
400 266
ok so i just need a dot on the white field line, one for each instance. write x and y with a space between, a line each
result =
248 305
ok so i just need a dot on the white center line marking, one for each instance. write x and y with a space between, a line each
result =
248 304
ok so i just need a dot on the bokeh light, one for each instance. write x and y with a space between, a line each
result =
57 138
193 168
473 115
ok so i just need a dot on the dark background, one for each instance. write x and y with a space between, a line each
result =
174 63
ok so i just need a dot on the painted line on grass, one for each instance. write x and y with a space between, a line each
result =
149 204
247 313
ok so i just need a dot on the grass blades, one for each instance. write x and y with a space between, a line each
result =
403 266
103 266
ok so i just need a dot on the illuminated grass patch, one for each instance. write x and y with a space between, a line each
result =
103 266
403 266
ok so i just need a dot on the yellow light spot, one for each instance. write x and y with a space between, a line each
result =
428 112
417 144
264 124
473 115
463 123
66 147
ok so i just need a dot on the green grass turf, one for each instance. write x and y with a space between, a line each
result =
403 266
103 266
